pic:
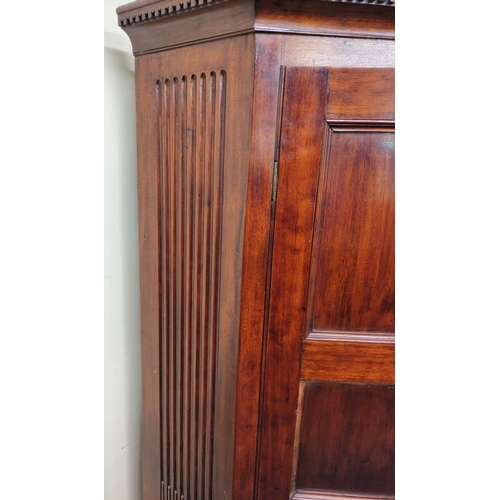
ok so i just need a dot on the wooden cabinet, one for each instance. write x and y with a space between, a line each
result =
266 193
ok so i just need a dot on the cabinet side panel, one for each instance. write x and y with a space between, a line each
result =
148 135
201 121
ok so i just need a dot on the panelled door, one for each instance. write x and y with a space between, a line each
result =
327 413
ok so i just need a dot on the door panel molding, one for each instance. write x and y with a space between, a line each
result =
333 495
362 362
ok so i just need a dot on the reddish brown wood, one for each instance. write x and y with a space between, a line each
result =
324 18
227 273
336 52
212 21
332 278
255 261
302 122
193 126
363 362
155 26
347 438
148 160
305 494
144 10
354 239
373 98
192 159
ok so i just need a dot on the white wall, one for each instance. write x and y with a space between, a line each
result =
122 368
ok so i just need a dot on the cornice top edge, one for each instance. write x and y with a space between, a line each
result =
138 12
388 3
146 10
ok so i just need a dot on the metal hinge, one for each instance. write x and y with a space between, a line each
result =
275 181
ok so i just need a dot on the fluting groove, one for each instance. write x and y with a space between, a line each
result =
191 127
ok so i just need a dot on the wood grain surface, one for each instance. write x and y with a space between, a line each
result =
361 95
246 297
302 122
189 159
346 440
366 362
353 277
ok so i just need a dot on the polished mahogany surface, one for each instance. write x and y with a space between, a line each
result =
266 193
331 309
349 444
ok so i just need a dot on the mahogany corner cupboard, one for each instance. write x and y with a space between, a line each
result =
265 134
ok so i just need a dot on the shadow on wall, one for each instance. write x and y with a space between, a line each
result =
122 339
121 61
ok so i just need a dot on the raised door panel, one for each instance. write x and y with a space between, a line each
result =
328 403
346 438
353 276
